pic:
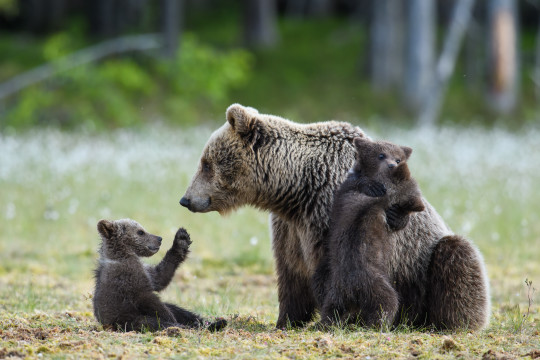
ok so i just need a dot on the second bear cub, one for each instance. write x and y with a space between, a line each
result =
358 288
124 297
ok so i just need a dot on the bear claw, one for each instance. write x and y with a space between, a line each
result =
182 239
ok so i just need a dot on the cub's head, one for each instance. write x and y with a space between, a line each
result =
126 237
226 174
381 159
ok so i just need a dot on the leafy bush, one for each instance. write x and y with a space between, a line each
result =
126 91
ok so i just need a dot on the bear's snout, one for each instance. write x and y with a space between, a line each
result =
154 243
185 202
196 204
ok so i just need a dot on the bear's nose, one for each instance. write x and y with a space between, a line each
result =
159 239
185 202
392 165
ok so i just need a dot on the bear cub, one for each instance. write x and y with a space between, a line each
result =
378 192
124 296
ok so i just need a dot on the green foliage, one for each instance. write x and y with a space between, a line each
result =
8 7
124 91
201 76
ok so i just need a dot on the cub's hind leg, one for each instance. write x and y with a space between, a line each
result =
370 302
185 317
147 323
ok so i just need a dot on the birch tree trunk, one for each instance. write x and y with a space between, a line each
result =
387 29
536 71
171 14
420 52
260 23
446 63
502 55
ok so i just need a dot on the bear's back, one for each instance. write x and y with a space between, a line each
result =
414 244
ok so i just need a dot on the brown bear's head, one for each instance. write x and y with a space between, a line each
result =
381 159
126 237
270 163
227 160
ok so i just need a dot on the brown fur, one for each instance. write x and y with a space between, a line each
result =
124 296
293 171
354 271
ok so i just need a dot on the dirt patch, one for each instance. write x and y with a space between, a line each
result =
494 355
28 334
5 353
534 354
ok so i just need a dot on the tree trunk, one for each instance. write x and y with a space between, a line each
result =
319 8
295 8
102 17
536 71
502 55
260 23
420 49
387 28
447 60
474 55
171 15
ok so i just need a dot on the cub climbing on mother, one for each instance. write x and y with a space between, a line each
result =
293 171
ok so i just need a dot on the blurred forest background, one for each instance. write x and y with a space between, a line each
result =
102 64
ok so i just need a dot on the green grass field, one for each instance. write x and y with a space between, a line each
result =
55 186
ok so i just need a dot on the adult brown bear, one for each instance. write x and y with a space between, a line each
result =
293 171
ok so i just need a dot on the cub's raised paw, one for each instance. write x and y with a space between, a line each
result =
182 239
374 189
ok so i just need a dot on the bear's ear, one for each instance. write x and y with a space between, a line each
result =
407 150
106 228
245 123
361 143
252 109
241 119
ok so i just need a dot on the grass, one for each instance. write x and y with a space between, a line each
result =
55 186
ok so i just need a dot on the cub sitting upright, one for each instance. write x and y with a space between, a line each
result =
124 296
358 288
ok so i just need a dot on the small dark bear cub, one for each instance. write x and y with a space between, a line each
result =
358 289
124 297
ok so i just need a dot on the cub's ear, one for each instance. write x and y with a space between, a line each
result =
245 123
106 228
407 150
361 143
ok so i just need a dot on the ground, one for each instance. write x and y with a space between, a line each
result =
55 186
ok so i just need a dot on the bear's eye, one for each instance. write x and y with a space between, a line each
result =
140 232
381 156
398 161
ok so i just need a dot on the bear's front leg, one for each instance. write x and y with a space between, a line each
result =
162 274
296 300
319 282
